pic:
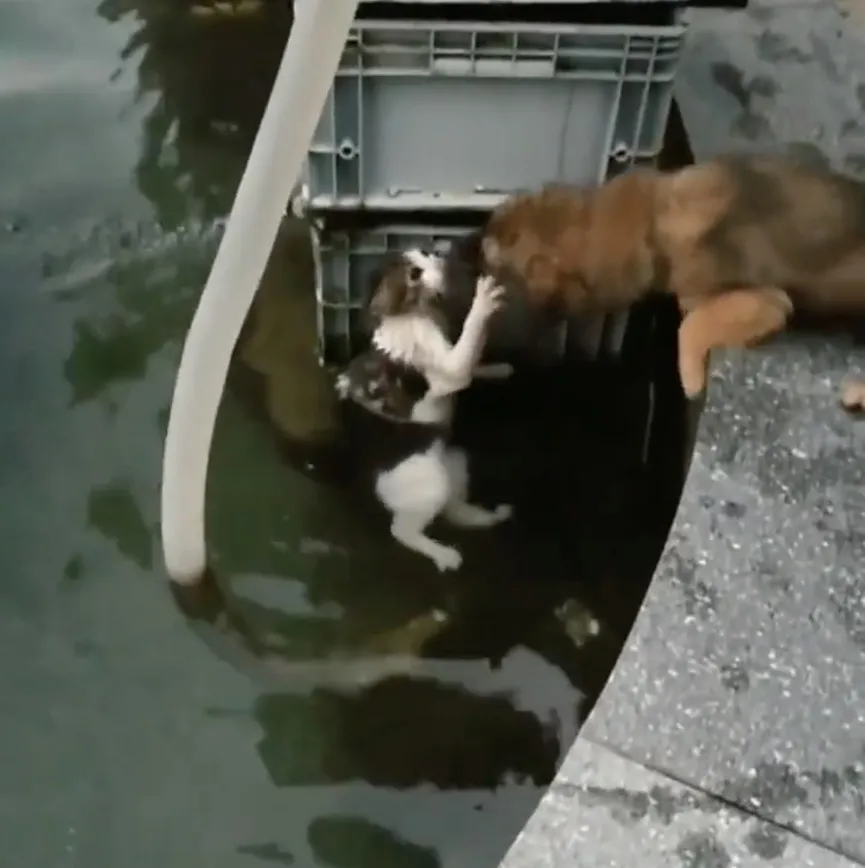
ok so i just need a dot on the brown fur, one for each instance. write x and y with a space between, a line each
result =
740 241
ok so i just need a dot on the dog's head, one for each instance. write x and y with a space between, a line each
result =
407 282
540 240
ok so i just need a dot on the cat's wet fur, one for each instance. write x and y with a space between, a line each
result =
398 401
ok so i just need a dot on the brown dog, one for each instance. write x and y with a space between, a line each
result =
741 242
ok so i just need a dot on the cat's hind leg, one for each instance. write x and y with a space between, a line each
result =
415 492
458 511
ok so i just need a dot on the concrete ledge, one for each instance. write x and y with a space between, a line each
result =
732 731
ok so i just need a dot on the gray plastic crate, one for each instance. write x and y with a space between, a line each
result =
426 115
525 3
345 260
714 4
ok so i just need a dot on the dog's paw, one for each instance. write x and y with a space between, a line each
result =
448 559
503 512
853 397
693 377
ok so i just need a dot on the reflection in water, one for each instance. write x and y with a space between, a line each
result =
403 733
209 78
113 511
146 295
270 852
345 842
558 586
470 687
277 354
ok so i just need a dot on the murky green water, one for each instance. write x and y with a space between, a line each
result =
418 719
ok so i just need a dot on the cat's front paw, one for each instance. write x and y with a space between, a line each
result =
489 296
495 371
503 512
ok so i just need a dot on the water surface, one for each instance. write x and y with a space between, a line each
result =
125 738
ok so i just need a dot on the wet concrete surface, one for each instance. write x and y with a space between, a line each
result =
419 720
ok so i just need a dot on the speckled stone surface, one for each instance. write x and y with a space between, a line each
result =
609 812
745 673
732 732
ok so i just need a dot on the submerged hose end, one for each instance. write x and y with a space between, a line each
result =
183 544
201 600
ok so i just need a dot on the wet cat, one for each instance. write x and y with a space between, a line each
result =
398 399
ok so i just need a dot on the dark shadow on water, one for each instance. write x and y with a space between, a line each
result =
460 686
205 80
269 852
383 734
345 842
594 497
113 511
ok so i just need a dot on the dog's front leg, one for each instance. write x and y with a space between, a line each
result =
737 318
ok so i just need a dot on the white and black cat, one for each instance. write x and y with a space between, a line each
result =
398 400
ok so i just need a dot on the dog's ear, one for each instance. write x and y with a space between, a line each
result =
467 249
492 252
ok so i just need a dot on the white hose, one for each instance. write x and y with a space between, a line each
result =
305 74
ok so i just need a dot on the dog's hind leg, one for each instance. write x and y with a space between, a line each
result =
458 511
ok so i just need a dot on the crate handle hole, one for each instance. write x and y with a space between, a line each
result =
621 153
347 150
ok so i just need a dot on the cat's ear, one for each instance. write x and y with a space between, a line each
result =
375 280
388 294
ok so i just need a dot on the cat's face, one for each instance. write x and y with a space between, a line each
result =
407 283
